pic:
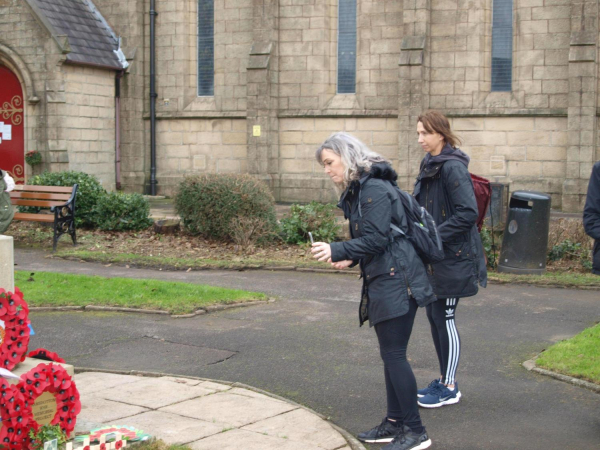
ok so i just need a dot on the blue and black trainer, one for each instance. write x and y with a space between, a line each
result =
423 392
440 395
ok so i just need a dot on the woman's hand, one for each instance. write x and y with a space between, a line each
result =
342 264
321 251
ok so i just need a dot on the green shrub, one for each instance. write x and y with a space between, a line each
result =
120 212
88 192
491 246
318 218
211 205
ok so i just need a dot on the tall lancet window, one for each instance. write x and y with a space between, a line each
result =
206 48
346 77
502 39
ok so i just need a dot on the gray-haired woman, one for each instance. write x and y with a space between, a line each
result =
394 278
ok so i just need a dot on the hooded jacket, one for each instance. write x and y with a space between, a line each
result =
444 187
591 215
6 209
391 269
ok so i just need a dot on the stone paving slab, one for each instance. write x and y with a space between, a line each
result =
203 414
90 382
96 409
234 410
300 426
173 428
154 393
248 440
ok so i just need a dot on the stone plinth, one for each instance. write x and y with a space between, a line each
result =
7 263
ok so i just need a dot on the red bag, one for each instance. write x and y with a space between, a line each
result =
483 195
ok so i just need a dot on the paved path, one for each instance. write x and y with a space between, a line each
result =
307 347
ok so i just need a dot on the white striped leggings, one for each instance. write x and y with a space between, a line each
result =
445 336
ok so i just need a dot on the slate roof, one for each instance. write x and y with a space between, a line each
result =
90 40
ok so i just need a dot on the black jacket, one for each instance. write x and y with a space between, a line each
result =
391 269
444 187
591 215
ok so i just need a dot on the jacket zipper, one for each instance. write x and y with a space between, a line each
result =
406 280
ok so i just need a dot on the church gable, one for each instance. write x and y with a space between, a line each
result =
89 38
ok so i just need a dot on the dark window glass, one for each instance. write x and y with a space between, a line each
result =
502 39
206 48
347 47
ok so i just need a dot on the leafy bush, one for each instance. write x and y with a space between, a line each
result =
88 193
315 217
491 245
210 204
119 212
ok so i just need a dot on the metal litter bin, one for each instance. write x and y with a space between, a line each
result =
525 242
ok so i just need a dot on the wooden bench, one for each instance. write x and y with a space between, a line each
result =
60 200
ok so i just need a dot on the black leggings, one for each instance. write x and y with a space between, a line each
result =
400 383
445 336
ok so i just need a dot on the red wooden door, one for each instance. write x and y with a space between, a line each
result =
12 142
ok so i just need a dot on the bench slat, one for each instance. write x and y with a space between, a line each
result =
40 203
32 188
39 196
34 217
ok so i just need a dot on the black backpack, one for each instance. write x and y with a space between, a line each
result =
422 232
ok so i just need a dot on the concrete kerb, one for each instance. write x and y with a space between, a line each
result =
532 367
353 443
199 312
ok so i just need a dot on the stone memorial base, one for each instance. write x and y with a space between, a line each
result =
7 263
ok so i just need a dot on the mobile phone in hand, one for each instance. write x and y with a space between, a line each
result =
312 241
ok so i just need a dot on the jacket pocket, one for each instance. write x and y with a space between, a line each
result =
378 265
458 250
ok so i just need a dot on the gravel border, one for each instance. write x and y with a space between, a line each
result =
531 366
353 443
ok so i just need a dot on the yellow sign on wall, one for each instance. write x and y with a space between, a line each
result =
256 130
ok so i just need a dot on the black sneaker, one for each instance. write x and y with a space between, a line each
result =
384 432
409 440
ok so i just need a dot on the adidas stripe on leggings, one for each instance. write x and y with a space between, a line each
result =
445 336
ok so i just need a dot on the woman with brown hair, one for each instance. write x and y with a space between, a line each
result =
445 189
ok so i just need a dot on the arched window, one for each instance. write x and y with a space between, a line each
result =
206 48
502 39
346 77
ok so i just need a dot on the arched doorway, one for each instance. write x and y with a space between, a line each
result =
12 136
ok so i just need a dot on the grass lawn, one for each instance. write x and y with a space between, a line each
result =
578 357
560 279
56 289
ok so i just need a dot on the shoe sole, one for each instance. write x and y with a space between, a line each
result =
450 401
422 445
378 441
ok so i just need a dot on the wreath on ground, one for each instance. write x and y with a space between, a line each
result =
56 380
14 336
16 417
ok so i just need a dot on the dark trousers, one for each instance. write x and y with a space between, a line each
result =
445 336
400 383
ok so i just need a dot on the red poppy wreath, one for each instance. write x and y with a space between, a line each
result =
54 379
15 417
14 328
